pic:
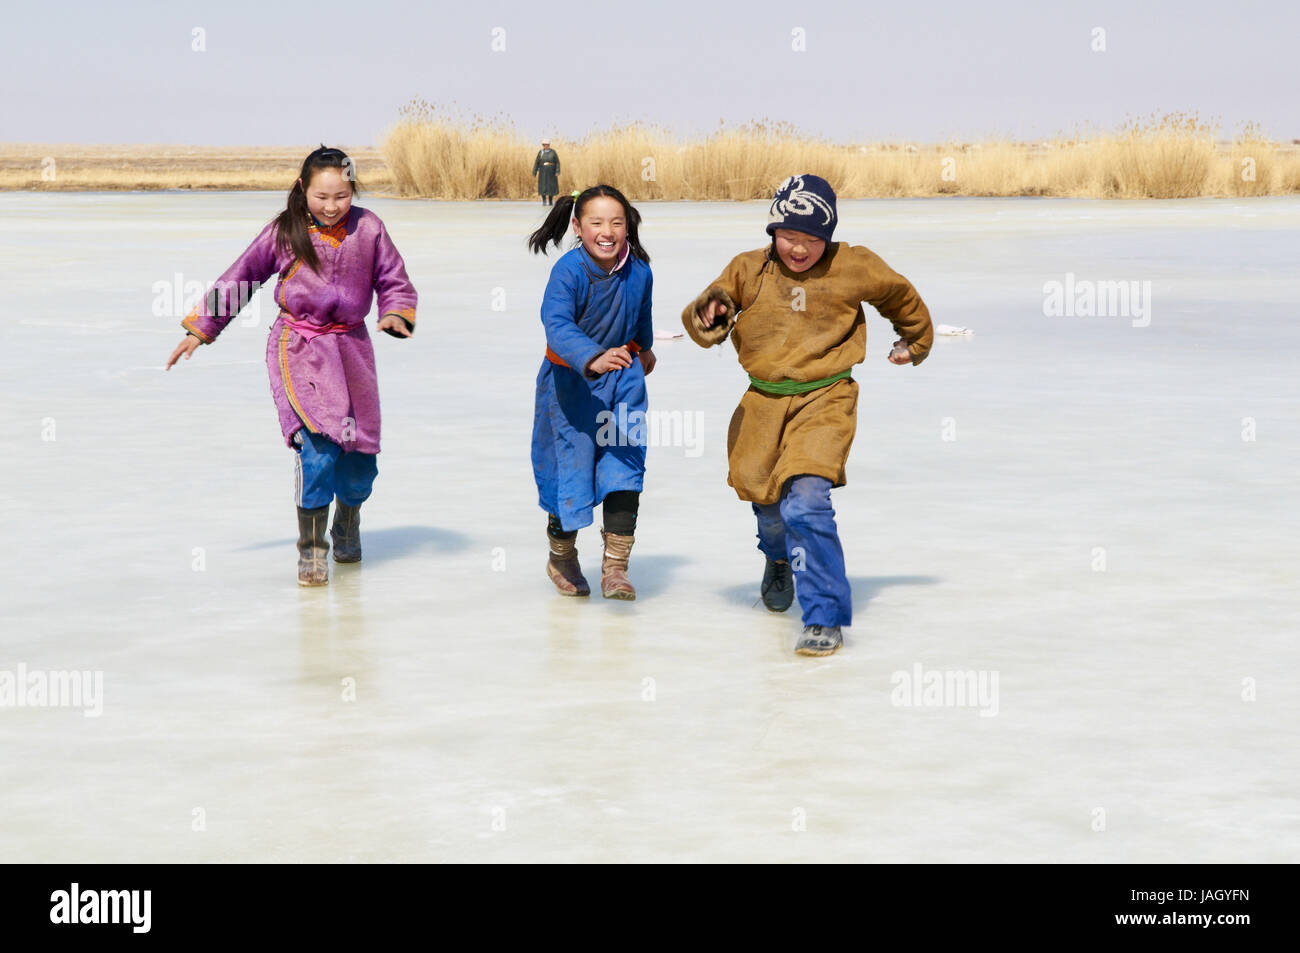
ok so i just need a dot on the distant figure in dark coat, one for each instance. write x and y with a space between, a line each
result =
547 169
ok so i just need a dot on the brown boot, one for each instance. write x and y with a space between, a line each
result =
614 583
313 551
563 569
346 533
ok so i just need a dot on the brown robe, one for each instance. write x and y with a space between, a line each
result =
802 327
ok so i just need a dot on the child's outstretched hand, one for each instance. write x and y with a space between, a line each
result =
615 359
900 354
394 325
715 309
185 348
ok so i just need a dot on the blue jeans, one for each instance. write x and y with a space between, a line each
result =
324 471
801 528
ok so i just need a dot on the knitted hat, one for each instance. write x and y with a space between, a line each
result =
804 203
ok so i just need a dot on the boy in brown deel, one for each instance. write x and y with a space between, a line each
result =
793 311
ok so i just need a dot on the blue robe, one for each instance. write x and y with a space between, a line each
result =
589 434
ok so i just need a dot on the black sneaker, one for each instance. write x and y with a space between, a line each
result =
778 585
819 640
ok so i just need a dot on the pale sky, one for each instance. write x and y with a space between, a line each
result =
127 73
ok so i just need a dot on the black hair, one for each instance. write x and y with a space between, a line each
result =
291 225
567 207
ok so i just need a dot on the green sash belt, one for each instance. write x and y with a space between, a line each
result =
786 388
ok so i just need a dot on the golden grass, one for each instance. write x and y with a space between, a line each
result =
1255 167
56 168
434 155
429 153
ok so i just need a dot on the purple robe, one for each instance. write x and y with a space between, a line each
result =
326 381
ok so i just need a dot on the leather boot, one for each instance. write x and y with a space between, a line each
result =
614 583
819 640
346 533
562 567
313 564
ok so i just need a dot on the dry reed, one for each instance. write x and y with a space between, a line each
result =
431 153
60 167
434 155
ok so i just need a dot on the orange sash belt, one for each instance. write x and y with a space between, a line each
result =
554 358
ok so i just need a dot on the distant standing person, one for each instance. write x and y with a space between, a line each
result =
547 169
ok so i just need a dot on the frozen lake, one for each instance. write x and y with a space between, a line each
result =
1098 512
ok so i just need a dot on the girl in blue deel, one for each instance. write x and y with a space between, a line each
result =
589 431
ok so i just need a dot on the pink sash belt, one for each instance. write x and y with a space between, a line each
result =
309 330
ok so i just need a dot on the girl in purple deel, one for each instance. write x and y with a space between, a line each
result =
333 258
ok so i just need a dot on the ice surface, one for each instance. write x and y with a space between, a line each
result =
495 721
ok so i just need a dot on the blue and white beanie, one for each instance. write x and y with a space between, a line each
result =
804 203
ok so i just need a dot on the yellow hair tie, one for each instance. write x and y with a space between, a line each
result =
575 193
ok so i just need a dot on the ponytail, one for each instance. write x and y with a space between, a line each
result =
556 224
569 206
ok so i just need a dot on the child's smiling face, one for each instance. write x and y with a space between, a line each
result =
329 195
602 229
798 250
